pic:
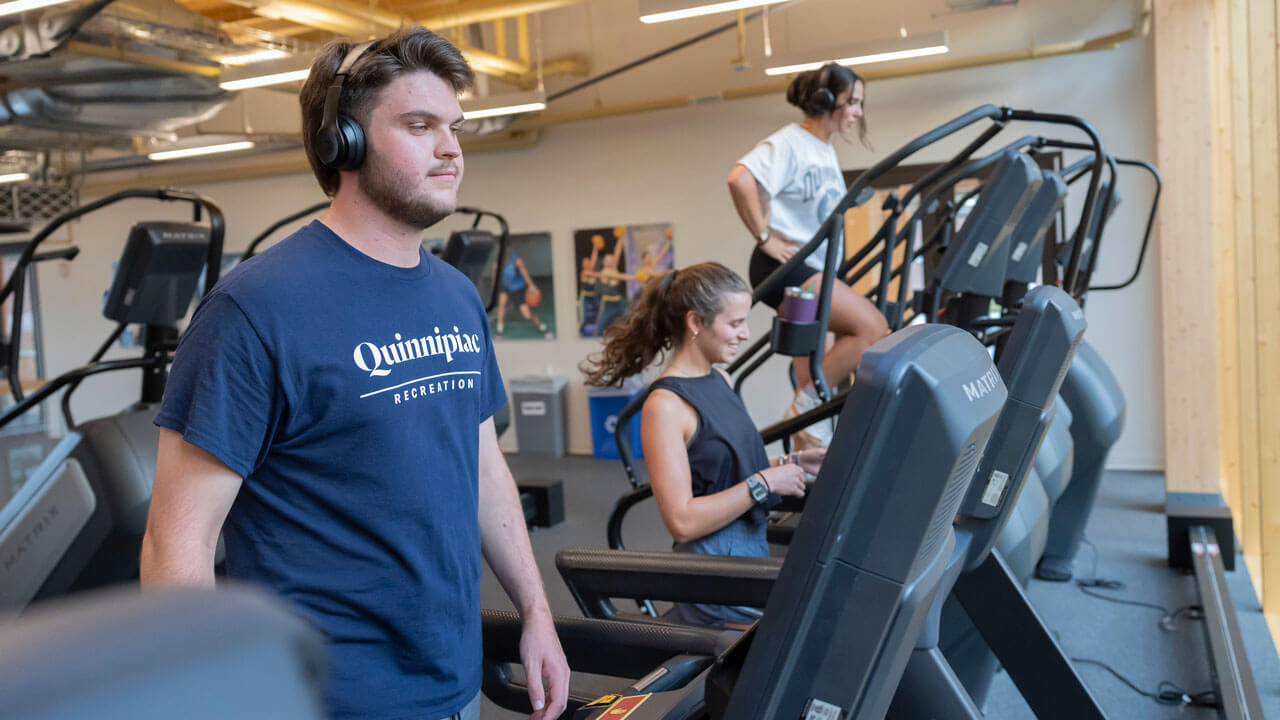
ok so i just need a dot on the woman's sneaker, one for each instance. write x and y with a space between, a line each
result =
817 435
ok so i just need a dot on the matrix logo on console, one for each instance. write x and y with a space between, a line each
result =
377 359
981 387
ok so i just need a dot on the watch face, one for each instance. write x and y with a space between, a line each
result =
758 491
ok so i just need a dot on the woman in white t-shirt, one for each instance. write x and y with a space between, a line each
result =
784 189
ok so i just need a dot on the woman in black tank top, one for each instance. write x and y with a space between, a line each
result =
711 477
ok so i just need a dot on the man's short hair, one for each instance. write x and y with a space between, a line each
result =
410 49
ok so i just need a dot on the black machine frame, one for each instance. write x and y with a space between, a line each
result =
159 344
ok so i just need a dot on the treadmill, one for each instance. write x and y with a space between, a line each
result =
862 571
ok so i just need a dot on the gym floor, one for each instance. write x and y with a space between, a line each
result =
1128 545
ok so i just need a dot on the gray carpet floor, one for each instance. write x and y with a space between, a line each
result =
1128 544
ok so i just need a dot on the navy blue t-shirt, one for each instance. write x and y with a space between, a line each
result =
348 394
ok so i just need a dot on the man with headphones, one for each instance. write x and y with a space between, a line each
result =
329 411
783 190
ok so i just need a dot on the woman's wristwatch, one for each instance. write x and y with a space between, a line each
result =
758 487
763 237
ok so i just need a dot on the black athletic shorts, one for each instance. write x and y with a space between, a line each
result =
762 266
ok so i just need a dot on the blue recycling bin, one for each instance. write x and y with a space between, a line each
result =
606 404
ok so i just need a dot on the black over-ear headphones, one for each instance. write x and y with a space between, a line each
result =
821 101
340 143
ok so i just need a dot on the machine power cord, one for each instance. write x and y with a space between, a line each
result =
1167 693
1169 619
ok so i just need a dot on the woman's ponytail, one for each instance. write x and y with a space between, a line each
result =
655 323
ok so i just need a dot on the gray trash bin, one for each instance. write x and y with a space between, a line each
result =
538 405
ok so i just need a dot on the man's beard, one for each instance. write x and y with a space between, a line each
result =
389 191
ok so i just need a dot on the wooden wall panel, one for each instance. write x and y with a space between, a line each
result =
1184 135
1248 512
1265 155
1225 248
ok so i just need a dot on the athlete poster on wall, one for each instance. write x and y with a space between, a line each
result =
526 308
613 265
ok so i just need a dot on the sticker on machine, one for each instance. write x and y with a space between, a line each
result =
1018 251
819 710
979 252
602 701
623 707
995 488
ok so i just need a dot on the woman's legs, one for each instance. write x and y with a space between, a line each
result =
856 323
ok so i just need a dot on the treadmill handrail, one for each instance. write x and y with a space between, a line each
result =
604 647
595 576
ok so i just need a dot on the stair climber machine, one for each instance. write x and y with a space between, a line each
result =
77 521
995 255
1008 224
1096 401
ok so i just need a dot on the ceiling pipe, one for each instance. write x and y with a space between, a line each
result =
1104 42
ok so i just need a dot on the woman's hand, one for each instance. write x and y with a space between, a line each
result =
785 480
778 248
811 460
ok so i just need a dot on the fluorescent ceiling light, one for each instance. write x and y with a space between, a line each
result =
505 104
290 68
14 177
252 57
263 80
656 11
21 6
866 53
504 110
199 150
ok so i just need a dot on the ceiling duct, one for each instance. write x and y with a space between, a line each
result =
972 5
95 75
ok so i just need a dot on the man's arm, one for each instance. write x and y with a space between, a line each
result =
505 542
192 493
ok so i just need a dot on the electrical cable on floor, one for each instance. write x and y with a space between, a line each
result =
1167 693
1170 618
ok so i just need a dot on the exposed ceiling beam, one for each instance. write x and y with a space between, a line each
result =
575 65
353 20
492 63
466 13
337 16
257 23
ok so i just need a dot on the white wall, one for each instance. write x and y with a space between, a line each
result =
670 167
